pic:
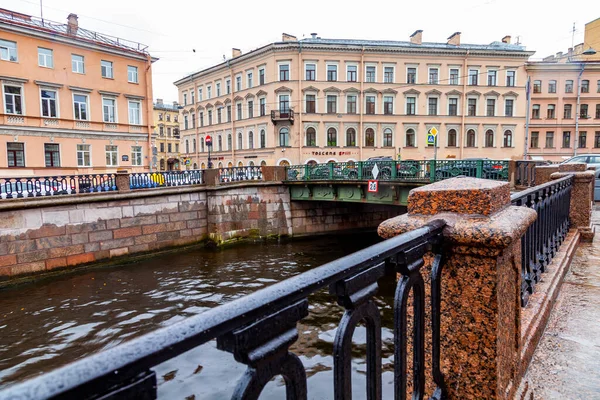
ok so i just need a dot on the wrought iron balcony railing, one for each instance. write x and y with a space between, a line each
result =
285 115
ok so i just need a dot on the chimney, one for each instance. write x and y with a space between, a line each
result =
175 104
506 39
159 101
417 37
235 52
288 38
314 35
570 52
454 39
72 24
559 54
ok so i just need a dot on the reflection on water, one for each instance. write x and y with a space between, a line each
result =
48 324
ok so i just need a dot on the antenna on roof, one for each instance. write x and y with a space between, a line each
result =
518 40
573 36
41 11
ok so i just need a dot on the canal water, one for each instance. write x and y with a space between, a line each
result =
50 323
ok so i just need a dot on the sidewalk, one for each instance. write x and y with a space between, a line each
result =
566 363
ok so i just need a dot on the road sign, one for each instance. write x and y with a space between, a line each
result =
375 171
433 131
430 139
208 140
373 186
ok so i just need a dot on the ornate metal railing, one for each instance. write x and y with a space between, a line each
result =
145 180
409 170
237 174
525 172
540 243
13 188
258 329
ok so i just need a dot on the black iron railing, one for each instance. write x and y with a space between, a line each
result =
260 328
525 172
13 188
236 174
145 180
540 243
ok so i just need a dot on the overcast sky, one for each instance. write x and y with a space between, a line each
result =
173 29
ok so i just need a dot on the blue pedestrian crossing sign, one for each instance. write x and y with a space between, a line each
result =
431 134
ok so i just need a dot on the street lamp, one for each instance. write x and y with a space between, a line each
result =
588 52
208 142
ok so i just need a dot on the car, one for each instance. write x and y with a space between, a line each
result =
384 166
469 166
592 160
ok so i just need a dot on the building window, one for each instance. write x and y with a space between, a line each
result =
263 139
491 107
332 73
109 110
8 50
250 109
193 118
387 137
227 87
585 86
162 147
13 101
240 141
535 140
199 94
220 115
262 106
132 76
411 75
411 106
351 104
310 103
220 143
472 107
552 86
170 148
597 140
284 103
239 114
311 72
370 104
52 155
370 75
598 88
106 68
331 137
136 155
583 111
49 103
507 139
410 138
77 64
508 107
489 138
15 154
201 118
351 72
135 114
369 137
471 138
454 76
551 111
331 104
452 138
452 106
187 146
228 111
261 76
432 106
84 155
185 99
510 78
491 75
473 77
549 140
217 89
194 144
433 76
569 86
229 142
112 156
582 140
388 74
284 72
537 86
249 78
311 137
535 111
350 137
566 140
597 111
161 130
284 137
45 58
80 103
388 105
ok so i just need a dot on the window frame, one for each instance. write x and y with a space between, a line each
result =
451 106
506 107
45 57
388 106
332 109
284 72
332 72
139 103
387 137
77 63
373 105
133 76
492 77
411 105
108 67
368 76
114 151
436 100
135 154
310 105
56 103
114 100
312 72
15 152
83 152
349 73
5 44
433 75
493 107
308 134
509 78
351 106
87 107
454 79
351 133
473 77
389 77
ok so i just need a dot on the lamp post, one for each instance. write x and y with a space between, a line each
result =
208 141
588 52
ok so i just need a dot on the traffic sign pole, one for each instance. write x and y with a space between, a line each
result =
208 142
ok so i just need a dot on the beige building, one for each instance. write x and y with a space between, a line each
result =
165 140
317 100
73 100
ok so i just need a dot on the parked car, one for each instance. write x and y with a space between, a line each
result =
468 167
592 160
597 186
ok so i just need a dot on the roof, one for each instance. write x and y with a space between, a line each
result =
166 107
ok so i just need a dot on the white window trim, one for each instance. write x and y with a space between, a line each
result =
487 75
218 89
20 85
478 77
279 65
516 71
310 93
450 68
241 78
485 129
393 67
316 64
476 107
365 102
208 92
82 63
238 116
112 69
364 135
141 112
458 113
248 84
116 109
429 69
515 109
355 94
228 84
141 156
383 129
57 101
416 105
405 131
279 100
337 71
16 51
466 137
258 110
137 74
89 150
437 105
416 67
259 130
495 98
59 154
87 102
45 56
393 104
264 73
337 102
368 64
105 152
200 93
448 129
248 130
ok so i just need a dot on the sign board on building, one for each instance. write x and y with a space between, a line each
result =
125 157
373 186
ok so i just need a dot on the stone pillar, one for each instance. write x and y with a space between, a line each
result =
543 172
273 173
123 184
512 173
211 177
582 197
481 281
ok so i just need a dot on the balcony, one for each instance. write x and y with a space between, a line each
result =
286 115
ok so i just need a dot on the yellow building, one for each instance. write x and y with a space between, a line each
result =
165 140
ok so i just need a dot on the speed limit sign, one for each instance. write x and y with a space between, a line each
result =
373 186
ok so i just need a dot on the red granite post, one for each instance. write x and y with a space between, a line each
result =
122 179
481 280
211 177
273 173
543 173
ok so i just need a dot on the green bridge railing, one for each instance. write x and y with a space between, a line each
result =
407 171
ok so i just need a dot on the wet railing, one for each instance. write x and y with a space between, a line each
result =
540 243
258 329
525 172
145 180
16 188
409 170
238 174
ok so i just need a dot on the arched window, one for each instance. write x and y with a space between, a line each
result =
263 163
220 165
410 138
250 140
263 139
240 164
507 138
470 138
332 161
311 137
369 137
229 164
201 145
220 143
452 138
162 164
387 137
229 143
331 137
187 146
168 117
312 163
489 138
284 163
240 141
202 166
194 145
251 163
284 137
350 137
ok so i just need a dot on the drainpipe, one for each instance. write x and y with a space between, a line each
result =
465 106
149 108
233 112
361 105
300 127
577 111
